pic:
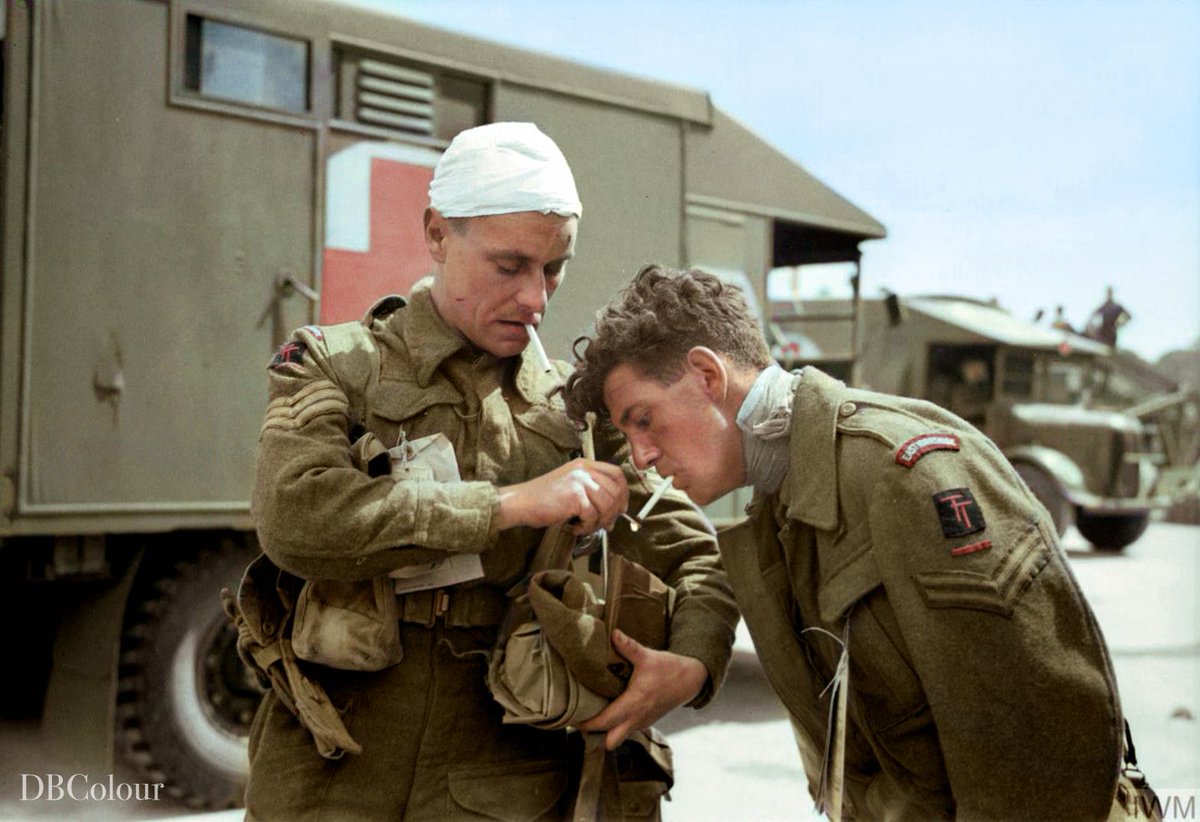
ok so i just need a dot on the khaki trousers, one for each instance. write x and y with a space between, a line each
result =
434 747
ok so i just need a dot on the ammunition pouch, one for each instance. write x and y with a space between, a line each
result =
353 625
262 615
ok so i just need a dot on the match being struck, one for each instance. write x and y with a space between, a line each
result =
537 348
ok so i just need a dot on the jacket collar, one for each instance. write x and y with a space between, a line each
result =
810 488
431 341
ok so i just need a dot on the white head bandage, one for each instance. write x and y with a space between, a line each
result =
503 168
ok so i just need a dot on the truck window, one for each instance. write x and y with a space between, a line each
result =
962 379
1018 375
242 65
824 281
1066 381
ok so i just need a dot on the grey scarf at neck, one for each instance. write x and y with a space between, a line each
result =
765 419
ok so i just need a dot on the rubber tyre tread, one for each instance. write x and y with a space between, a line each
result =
1111 532
168 597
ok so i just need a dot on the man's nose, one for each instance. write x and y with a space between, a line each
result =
644 454
532 295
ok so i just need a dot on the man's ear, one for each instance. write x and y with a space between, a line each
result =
436 232
707 365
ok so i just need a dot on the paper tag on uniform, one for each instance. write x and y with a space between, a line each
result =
441 573
431 458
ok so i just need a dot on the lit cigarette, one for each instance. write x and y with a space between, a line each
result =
654 498
537 348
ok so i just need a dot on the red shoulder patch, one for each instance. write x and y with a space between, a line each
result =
289 354
911 451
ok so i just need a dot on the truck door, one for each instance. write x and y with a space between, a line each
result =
158 230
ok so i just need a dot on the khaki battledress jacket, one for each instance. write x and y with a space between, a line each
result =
980 685
433 743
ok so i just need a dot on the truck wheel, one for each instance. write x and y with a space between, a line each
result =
1111 532
1046 490
185 700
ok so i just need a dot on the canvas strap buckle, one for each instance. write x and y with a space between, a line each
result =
438 606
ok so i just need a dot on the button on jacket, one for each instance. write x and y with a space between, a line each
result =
980 684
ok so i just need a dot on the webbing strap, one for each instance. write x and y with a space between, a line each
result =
599 795
266 655
456 607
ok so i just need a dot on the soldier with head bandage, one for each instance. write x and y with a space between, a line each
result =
408 465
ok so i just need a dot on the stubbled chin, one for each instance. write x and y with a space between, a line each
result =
697 495
505 346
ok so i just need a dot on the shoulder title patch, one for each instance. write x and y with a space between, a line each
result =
958 512
290 353
316 331
911 451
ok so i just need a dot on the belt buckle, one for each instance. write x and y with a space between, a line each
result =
439 605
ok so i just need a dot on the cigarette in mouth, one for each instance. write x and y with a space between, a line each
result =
654 498
537 348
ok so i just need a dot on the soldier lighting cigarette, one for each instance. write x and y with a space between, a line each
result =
537 348
654 498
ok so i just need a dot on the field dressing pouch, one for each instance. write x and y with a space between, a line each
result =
262 615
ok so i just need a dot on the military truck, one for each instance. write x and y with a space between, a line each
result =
1033 390
185 182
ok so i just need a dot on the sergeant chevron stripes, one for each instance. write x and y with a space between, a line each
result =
996 591
295 411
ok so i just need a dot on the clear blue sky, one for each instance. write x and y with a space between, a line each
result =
1028 151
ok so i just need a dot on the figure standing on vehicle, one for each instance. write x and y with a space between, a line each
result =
1107 320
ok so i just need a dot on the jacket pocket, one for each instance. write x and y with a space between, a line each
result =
555 438
396 406
520 791
850 573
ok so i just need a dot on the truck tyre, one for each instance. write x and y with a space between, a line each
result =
1046 490
185 700
1111 532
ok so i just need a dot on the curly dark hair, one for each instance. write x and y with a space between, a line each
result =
652 324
